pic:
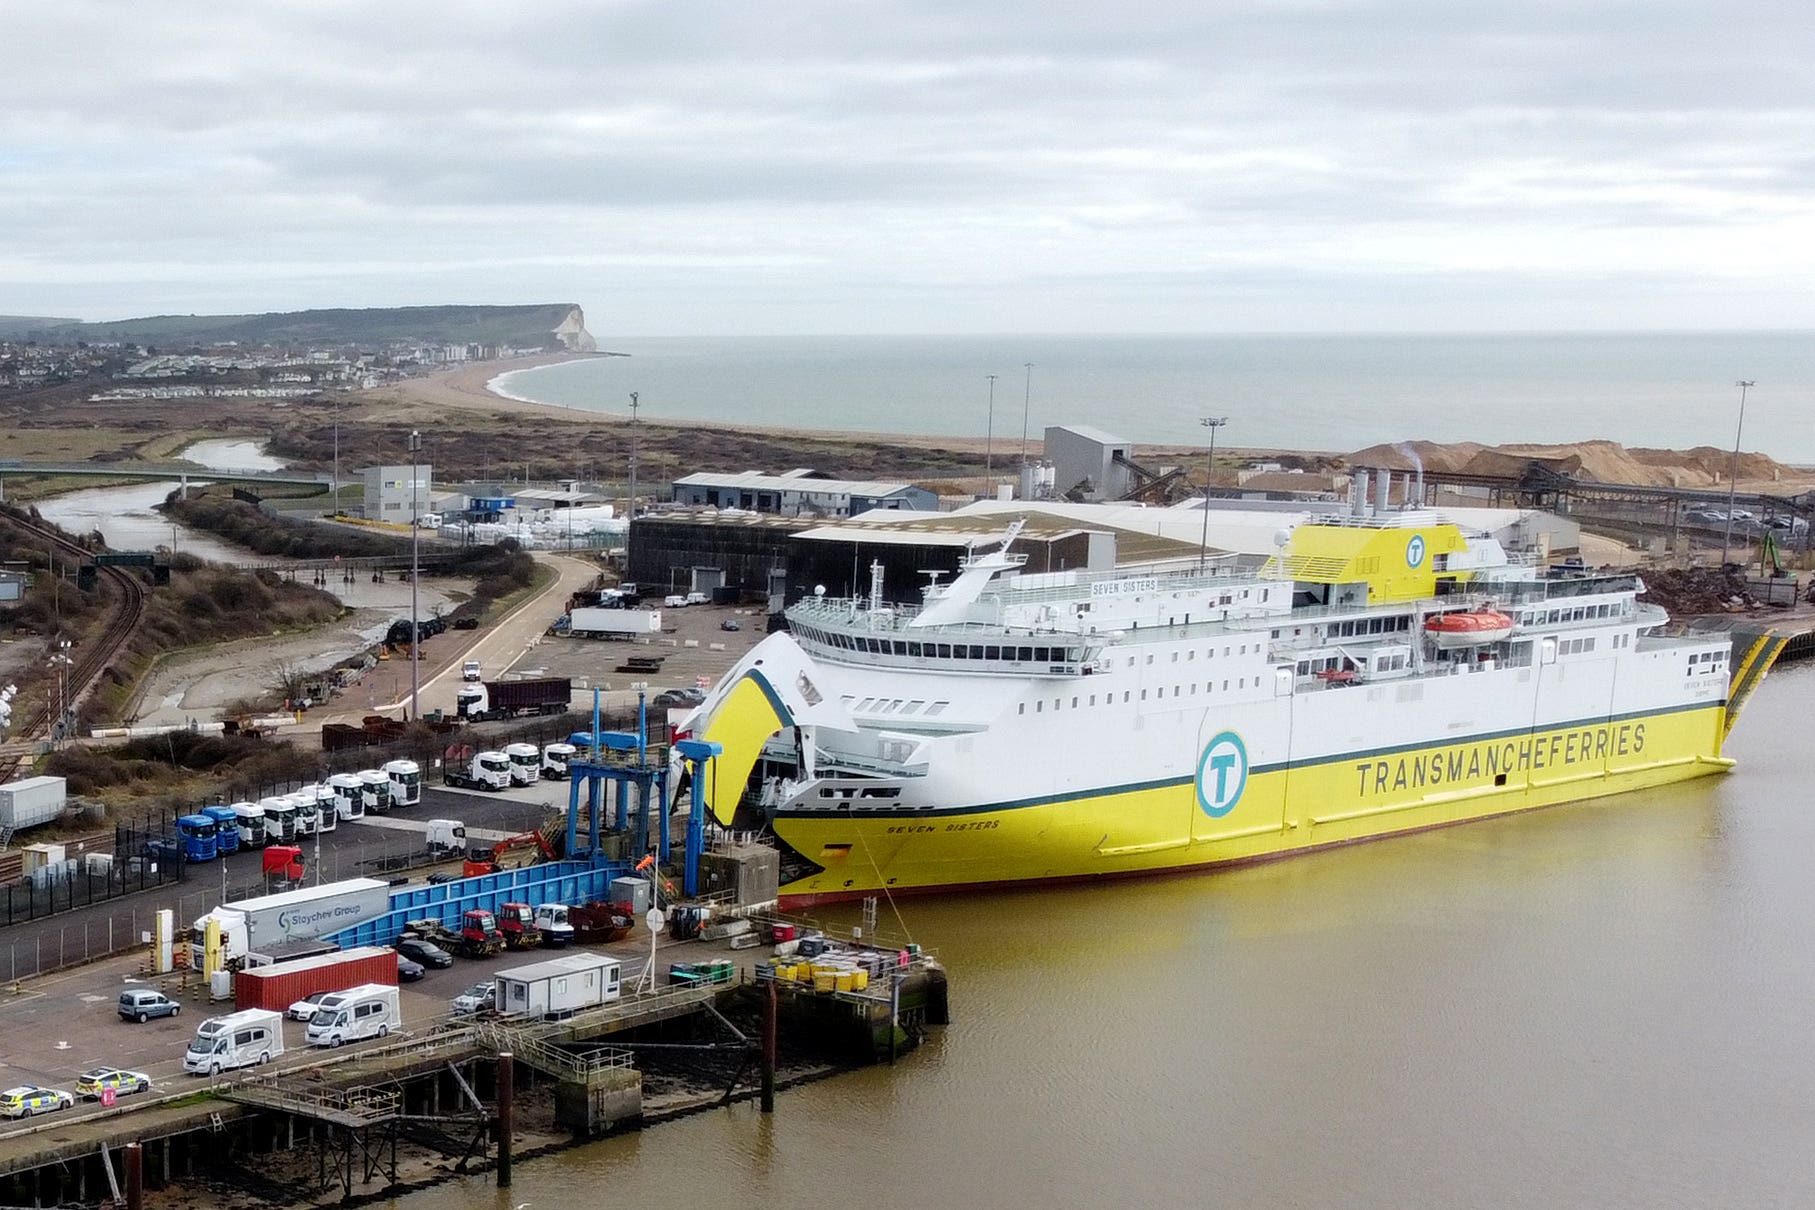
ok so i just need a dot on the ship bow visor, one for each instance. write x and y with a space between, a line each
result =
774 687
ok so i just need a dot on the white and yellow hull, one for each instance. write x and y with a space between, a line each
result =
1280 811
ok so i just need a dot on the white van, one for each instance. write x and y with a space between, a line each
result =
472 670
255 1035
674 601
367 1011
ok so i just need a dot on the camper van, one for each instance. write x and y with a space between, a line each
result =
240 1039
367 1011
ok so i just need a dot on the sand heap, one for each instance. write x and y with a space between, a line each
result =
1603 461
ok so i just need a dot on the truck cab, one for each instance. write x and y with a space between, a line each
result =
518 924
472 670
280 819
406 782
375 790
551 918
555 760
492 770
308 810
196 835
349 801
226 828
446 836
525 764
249 821
472 702
327 807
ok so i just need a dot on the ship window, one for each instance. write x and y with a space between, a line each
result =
992 653
1043 655
937 708
1150 659
1039 707
1143 695
1304 668
1192 654
914 650
944 650
1021 709
1093 699
1374 626
1225 686
1193 688
913 707
1074 703
1055 703
976 652
1125 697
1024 653
1175 657
1225 652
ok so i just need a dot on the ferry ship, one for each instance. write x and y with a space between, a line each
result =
1379 674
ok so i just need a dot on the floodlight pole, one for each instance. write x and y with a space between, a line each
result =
1203 550
1744 385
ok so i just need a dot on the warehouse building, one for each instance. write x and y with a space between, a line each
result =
799 493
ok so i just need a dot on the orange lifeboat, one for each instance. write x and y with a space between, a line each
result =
1468 629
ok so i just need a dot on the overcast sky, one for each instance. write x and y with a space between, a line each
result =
693 167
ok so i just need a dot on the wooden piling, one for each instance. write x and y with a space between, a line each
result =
769 1014
135 1177
505 1124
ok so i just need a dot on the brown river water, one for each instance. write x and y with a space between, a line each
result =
1608 1004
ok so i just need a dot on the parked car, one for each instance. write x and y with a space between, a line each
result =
1710 516
730 624
408 971
92 1084
474 998
141 1004
29 1099
425 952
304 1009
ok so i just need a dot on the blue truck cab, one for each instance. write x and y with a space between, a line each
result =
226 828
196 833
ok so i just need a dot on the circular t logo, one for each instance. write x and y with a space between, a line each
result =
1222 775
1414 551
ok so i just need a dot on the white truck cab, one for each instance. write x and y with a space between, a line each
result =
406 782
555 760
349 802
525 764
551 918
375 790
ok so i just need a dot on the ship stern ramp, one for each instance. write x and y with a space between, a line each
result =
774 687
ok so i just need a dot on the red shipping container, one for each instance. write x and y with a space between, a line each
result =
278 986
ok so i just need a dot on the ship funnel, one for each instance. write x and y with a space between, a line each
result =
1383 488
1358 494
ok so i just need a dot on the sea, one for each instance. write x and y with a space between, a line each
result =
1606 1004
1333 393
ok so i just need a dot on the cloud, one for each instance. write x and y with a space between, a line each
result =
915 156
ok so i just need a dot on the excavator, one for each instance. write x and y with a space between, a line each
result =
513 852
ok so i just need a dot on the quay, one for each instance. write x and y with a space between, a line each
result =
456 1095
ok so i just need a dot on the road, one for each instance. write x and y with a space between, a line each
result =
498 647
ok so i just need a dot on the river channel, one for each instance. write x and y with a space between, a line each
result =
1608 1004
127 518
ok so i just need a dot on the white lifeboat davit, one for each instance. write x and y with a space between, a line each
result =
1469 629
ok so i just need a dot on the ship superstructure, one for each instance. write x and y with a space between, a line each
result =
1379 674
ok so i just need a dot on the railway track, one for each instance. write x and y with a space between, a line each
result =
94 656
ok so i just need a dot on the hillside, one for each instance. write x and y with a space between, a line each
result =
14 326
539 326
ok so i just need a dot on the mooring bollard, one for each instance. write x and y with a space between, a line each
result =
768 1102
